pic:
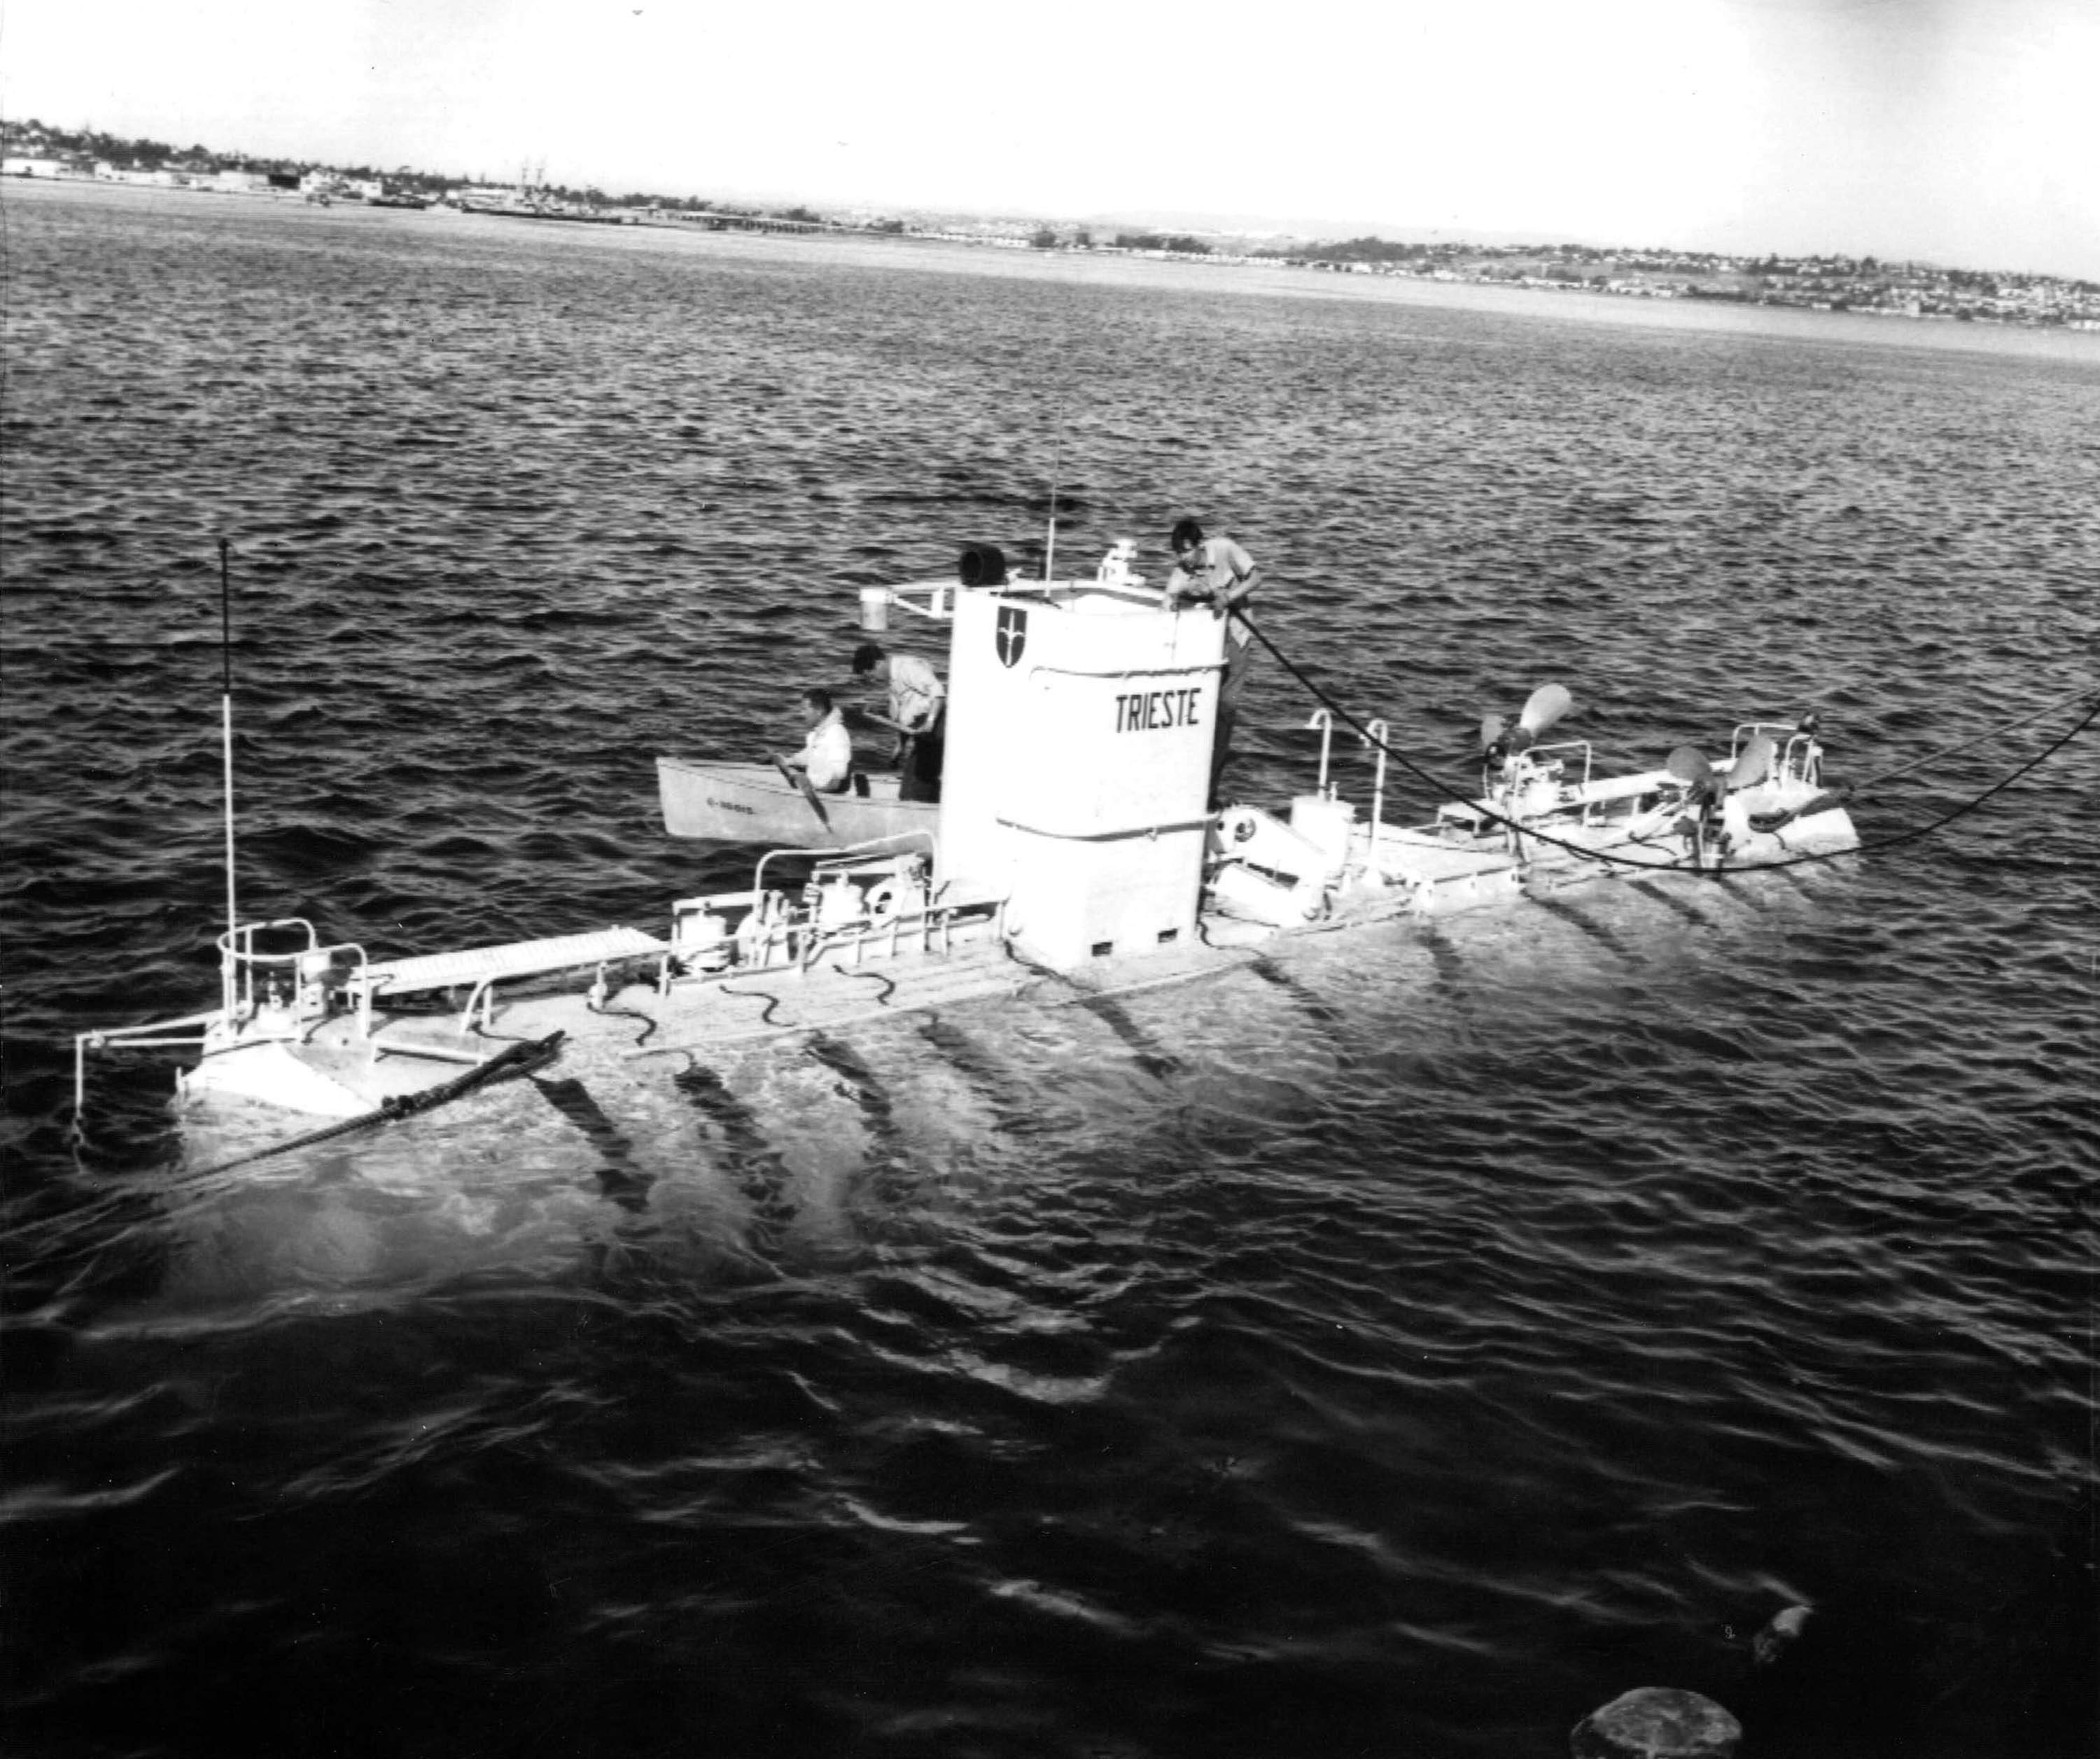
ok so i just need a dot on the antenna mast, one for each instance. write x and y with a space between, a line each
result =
1056 465
226 714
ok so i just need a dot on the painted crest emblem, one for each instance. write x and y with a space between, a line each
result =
1012 634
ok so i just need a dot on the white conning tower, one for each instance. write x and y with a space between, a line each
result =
1080 720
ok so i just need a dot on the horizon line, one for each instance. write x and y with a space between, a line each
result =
1197 223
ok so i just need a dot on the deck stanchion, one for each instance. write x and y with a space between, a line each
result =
1323 721
1374 733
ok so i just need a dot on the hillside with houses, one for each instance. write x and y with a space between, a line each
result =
31 149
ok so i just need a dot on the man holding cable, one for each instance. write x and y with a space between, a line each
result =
1216 571
918 715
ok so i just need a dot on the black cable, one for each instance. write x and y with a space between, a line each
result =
1915 763
627 1013
1970 806
1028 964
888 984
771 1002
1802 860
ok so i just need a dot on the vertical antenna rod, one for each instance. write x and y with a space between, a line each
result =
225 709
1056 465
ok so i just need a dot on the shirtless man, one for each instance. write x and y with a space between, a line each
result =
1216 571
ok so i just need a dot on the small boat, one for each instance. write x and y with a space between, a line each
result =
755 803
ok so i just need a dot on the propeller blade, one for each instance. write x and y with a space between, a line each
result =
1688 764
1548 703
1491 729
1755 763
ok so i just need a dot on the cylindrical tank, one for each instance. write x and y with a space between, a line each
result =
874 608
1324 823
702 939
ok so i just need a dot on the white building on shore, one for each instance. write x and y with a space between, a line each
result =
107 173
341 188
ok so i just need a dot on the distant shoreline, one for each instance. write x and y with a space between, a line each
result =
1335 274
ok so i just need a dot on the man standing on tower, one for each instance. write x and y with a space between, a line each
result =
918 715
1216 571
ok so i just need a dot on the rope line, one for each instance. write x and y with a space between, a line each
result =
1968 806
888 984
1444 792
772 1002
1029 965
1916 763
648 1023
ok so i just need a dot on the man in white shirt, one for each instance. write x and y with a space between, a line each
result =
918 715
827 754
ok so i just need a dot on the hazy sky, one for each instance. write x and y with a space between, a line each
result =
1962 131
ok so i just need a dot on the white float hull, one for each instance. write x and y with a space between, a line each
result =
754 803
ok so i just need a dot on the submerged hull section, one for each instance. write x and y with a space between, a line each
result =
875 945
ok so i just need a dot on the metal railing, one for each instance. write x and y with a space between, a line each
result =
250 1000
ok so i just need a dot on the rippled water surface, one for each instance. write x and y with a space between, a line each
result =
1401 1347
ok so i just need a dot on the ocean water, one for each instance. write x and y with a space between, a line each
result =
1401 1347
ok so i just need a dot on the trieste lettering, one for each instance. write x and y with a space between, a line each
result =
1144 713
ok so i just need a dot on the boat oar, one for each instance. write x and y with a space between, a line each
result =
809 793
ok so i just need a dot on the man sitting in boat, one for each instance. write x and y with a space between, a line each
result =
918 715
827 754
